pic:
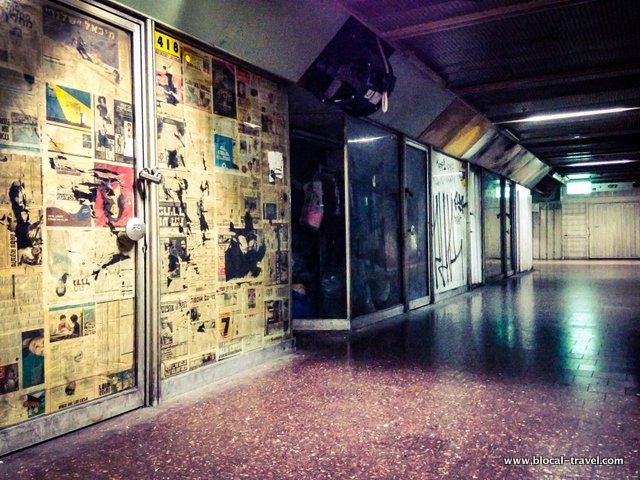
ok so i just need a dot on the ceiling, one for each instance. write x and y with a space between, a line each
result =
513 59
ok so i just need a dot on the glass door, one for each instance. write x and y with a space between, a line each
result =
416 240
374 218
509 223
70 341
492 232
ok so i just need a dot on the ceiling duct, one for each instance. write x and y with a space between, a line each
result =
353 72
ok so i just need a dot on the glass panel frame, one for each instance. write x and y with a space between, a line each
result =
416 225
492 225
374 218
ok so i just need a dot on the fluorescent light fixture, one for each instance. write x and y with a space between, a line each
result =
578 188
579 176
364 139
593 164
561 116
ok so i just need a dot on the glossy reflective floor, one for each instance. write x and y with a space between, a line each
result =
542 368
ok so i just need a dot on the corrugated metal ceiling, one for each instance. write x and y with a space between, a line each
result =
511 59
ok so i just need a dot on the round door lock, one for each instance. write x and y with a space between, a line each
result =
135 229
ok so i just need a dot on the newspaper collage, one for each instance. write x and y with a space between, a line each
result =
224 212
66 190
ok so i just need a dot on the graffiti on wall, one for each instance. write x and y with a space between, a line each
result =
450 209
449 217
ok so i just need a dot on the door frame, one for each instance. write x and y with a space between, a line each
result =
45 427
428 298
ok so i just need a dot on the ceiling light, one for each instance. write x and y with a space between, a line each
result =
578 176
593 164
578 188
560 116
364 139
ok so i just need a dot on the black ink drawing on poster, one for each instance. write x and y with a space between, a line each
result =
448 241
171 144
9 381
123 132
174 212
224 89
244 250
86 266
205 191
81 39
104 127
27 231
177 260
32 358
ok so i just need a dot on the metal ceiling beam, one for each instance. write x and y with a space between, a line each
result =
575 138
477 18
599 73
577 156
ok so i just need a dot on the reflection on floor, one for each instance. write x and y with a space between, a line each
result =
543 367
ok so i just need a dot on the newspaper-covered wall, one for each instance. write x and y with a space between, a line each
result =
66 190
224 208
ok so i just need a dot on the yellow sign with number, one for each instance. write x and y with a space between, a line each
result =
167 44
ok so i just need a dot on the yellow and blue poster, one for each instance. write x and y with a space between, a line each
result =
69 106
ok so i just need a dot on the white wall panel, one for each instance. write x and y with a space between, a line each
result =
524 225
612 229
574 227
547 231
475 226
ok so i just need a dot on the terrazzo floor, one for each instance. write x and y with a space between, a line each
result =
542 367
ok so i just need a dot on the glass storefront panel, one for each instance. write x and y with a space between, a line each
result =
416 235
508 226
318 233
374 180
492 193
